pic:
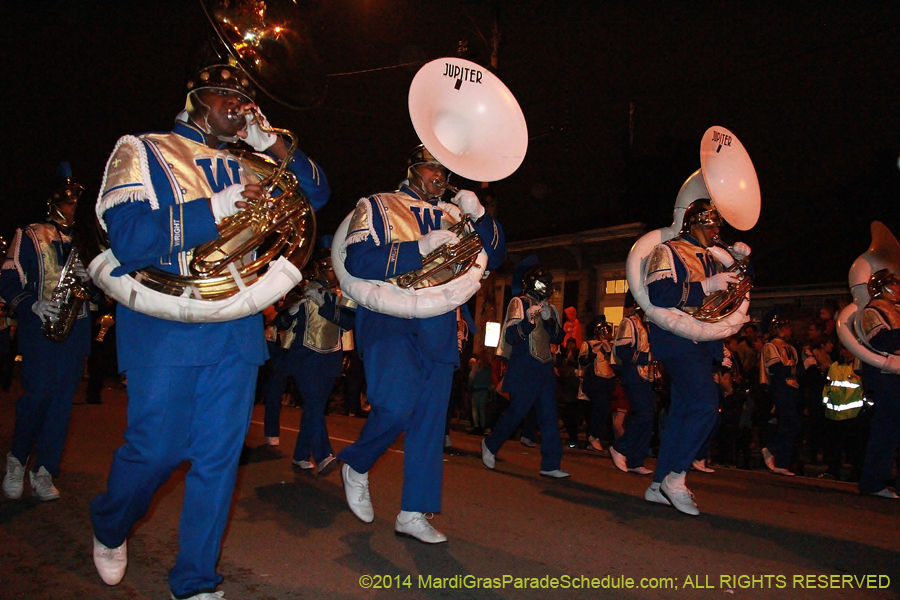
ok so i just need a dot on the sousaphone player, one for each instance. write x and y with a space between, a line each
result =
190 385
682 273
407 338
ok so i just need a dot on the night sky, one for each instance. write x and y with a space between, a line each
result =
810 88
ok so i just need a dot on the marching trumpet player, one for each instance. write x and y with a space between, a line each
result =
408 363
881 327
190 385
779 368
532 325
633 354
51 370
312 326
680 273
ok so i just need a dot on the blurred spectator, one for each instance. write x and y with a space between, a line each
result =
843 400
572 327
479 387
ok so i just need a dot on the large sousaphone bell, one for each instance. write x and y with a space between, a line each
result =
727 178
261 250
470 121
883 253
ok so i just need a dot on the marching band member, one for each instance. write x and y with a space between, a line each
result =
598 379
51 370
680 272
408 363
190 385
531 326
633 354
780 360
314 325
881 327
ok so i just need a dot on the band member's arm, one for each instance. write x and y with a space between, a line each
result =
518 327
311 178
374 259
627 345
554 328
139 235
678 292
18 280
886 340
492 238
775 367
341 316
586 356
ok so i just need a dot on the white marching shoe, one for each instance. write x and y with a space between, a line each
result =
674 488
110 562
14 480
487 457
655 496
618 459
356 488
42 485
415 525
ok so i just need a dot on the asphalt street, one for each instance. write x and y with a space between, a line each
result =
512 534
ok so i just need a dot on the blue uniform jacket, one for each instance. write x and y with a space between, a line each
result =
523 367
669 293
139 236
366 260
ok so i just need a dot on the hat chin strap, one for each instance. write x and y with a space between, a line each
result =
199 113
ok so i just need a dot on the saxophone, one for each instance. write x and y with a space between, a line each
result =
70 293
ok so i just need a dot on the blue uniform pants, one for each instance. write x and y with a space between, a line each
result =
408 392
635 442
694 406
539 393
314 375
782 444
884 437
274 389
175 414
43 411
600 398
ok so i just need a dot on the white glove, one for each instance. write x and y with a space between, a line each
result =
258 139
80 272
294 308
223 203
546 312
740 250
533 312
317 297
469 204
435 239
718 283
46 309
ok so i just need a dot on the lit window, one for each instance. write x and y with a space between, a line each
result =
616 286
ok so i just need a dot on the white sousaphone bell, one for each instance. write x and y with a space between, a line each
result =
883 253
470 121
726 177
